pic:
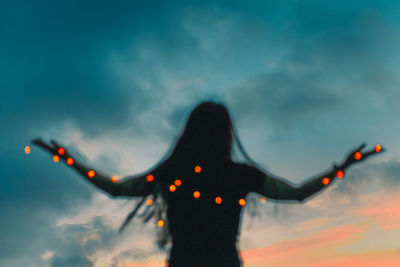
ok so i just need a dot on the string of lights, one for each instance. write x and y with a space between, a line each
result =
178 184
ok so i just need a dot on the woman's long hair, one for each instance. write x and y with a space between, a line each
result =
208 136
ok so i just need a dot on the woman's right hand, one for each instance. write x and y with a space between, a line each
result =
54 148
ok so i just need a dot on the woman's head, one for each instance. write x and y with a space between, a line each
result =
208 133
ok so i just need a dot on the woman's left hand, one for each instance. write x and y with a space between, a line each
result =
358 155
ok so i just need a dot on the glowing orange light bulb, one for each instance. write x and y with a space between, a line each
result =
357 155
149 178
56 158
218 200
61 151
114 179
91 174
326 181
172 188
378 148
178 182
197 169
160 223
27 150
70 161
339 174
196 194
149 202
263 199
242 202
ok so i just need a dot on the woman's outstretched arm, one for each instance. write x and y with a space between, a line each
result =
277 188
140 185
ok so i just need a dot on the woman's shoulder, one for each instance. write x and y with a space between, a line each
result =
248 175
241 166
248 170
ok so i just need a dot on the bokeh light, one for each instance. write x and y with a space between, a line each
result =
326 181
218 200
149 178
56 158
196 194
242 202
378 148
149 202
27 150
357 155
91 173
70 161
61 151
172 188
197 169
114 179
178 182
160 223
339 174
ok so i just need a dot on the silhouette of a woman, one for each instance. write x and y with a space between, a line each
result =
204 190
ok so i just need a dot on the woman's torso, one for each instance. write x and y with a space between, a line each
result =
204 232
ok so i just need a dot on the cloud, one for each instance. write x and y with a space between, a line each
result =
48 254
371 177
78 242
108 78
384 210
336 245
284 100
75 261
30 204
329 237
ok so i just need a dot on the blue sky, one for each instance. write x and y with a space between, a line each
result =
305 82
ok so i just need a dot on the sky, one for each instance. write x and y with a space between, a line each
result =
305 83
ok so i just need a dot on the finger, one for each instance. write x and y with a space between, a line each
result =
54 143
361 147
352 153
39 142
369 153
60 149
373 152
379 148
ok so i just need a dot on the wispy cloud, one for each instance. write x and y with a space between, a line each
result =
305 82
